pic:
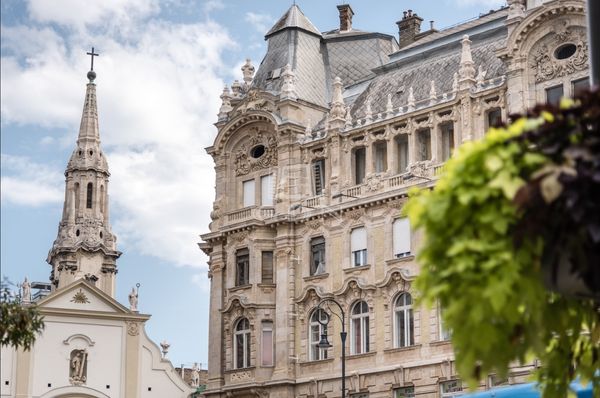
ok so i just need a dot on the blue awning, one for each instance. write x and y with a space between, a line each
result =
528 390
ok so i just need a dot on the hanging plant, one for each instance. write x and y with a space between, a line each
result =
506 210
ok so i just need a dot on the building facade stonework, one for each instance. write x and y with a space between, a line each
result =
315 152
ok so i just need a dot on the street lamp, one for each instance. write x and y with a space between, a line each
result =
323 343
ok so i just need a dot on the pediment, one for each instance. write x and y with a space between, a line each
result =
82 296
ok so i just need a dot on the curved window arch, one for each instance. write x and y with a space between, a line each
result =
314 335
241 344
404 324
88 199
359 328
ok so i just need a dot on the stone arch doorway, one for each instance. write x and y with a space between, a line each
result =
74 392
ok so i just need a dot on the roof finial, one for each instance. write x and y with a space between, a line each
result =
91 74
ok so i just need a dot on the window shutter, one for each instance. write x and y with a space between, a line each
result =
267 267
249 193
401 238
358 239
266 183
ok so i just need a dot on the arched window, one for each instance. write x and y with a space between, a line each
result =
241 344
88 201
403 321
316 330
359 333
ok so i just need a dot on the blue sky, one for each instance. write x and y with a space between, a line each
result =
161 69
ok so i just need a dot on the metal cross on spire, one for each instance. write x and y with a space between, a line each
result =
93 54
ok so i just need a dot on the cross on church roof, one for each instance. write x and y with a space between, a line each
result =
92 55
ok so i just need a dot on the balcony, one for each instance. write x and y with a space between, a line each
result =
250 213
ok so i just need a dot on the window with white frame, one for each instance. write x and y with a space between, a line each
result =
317 255
241 344
248 194
359 165
401 237
266 187
242 267
404 392
447 136
318 167
359 333
451 388
358 246
404 323
445 333
380 157
314 334
267 344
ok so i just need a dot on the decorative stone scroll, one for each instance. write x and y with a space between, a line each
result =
245 163
544 63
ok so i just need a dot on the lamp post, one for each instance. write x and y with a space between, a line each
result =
325 344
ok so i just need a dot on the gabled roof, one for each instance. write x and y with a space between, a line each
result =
293 18
84 296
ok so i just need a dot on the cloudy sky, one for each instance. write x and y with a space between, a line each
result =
161 69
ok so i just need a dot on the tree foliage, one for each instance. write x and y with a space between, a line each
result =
19 324
482 257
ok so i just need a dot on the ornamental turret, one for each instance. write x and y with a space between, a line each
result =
85 247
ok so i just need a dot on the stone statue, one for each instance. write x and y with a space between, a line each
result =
195 376
78 367
133 299
26 291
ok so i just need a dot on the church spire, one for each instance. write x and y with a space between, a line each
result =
85 246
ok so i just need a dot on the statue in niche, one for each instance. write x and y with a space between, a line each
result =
78 367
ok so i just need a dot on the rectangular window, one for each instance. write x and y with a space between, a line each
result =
495 381
317 256
358 246
402 155
451 388
401 237
359 165
242 262
267 343
267 267
404 392
447 133
424 144
380 156
445 333
580 85
266 186
318 176
248 194
554 94
494 118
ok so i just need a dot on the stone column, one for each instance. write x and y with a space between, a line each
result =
216 342
133 358
23 372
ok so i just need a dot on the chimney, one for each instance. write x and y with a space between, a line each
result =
346 14
408 27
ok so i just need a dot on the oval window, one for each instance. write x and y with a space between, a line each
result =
257 151
565 51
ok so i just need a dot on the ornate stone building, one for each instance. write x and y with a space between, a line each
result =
314 155
91 345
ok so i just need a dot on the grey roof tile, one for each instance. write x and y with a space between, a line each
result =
293 18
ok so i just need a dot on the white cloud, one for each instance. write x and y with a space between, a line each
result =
260 22
25 182
212 5
79 14
158 95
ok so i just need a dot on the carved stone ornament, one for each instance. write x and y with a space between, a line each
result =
133 328
240 236
245 163
544 63
78 367
374 182
80 298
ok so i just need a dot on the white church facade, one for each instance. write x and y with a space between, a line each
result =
91 346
